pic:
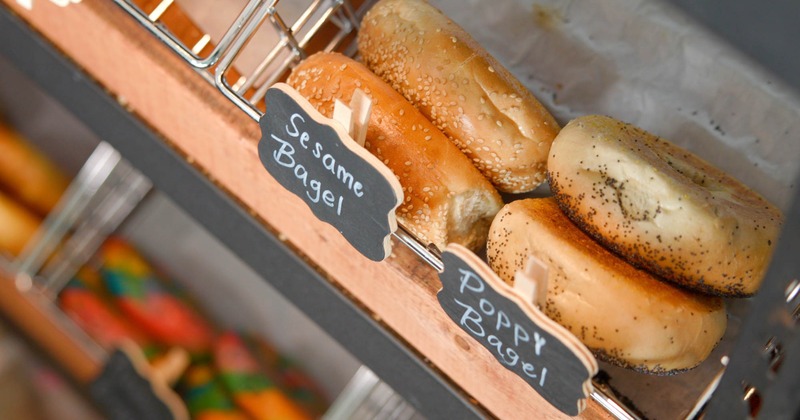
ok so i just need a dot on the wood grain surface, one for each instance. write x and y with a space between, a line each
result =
38 318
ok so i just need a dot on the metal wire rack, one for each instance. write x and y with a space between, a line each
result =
247 91
366 397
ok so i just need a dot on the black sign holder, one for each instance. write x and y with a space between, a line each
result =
341 182
522 338
126 389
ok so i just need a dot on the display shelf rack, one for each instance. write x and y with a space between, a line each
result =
200 151
352 326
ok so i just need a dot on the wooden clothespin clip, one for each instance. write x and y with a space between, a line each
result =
161 375
171 366
531 283
354 118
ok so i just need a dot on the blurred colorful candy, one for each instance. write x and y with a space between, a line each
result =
290 377
148 303
251 389
205 397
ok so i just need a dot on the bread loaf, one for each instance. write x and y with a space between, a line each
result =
17 225
27 175
476 102
624 315
661 207
446 198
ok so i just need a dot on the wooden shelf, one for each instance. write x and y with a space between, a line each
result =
38 318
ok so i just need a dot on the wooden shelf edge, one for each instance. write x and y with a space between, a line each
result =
31 314
220 140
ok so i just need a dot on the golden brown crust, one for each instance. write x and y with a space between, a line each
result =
473 99
624 315
446 198
27 175
661 207
17 225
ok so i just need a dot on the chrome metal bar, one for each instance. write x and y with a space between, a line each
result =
702 402
350 13
304 18
258 95
76 198
612 405
118 203
354 394
227 59
317 24
176 45
286 38
263 87
299 50
262 66
406 238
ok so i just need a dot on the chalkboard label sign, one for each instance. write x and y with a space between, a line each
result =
522 339
125 391
315 158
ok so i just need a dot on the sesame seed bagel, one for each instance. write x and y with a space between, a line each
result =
624 315
446 198
662 208
476 102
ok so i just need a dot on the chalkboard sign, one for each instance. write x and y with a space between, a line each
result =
522 339
315 158
125 391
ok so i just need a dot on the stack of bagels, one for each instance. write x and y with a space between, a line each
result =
641 237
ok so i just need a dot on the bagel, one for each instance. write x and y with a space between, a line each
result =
17 225
27 175
624 315
662 208
455 83
446 198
